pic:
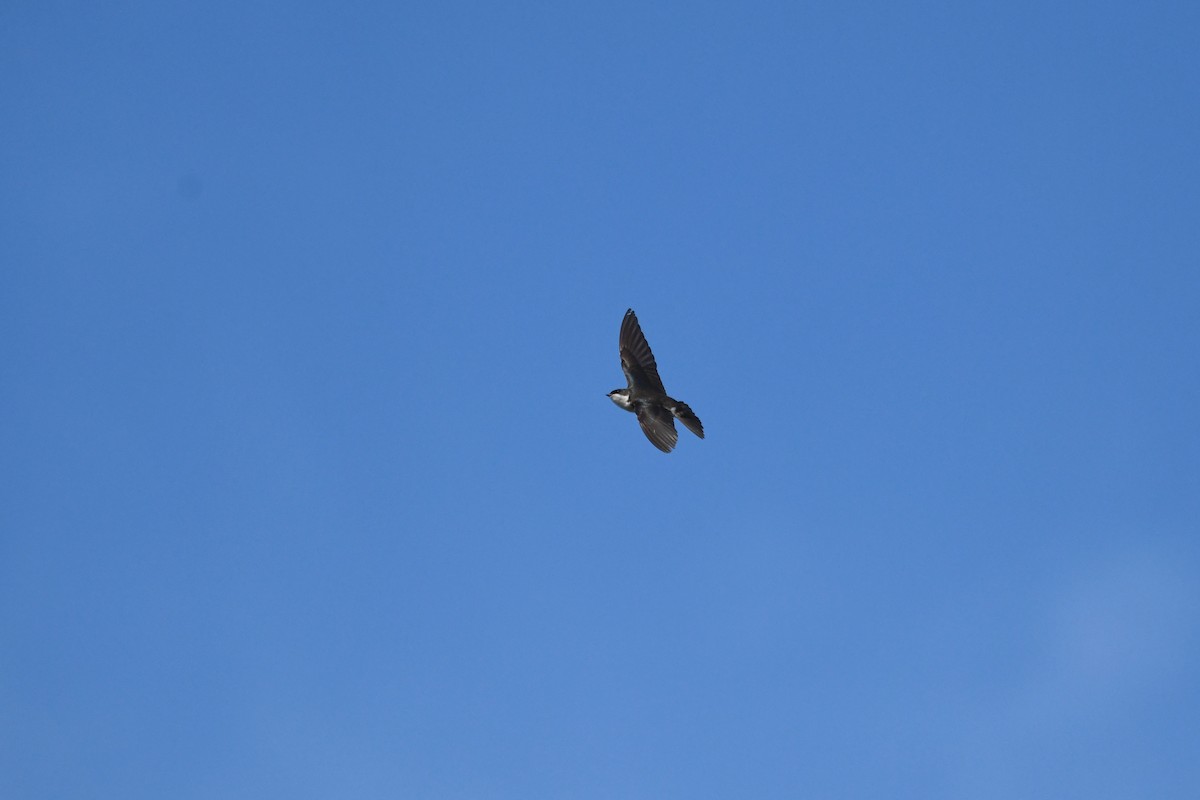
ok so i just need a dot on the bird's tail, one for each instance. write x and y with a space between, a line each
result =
684 414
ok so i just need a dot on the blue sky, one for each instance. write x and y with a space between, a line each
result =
310 487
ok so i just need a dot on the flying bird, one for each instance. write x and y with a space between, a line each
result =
645 395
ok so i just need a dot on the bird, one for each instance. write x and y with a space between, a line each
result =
645 395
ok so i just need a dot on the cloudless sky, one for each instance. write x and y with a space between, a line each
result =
309 487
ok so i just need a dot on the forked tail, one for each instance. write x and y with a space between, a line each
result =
684 414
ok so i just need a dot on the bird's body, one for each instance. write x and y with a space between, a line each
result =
645 395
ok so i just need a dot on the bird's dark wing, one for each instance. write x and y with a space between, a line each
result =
659 427
637 362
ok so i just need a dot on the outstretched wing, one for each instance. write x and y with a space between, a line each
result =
659 427
637 362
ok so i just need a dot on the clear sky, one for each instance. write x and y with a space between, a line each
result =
309 487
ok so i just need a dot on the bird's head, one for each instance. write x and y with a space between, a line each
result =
620 397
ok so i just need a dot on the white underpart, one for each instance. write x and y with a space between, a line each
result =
620 400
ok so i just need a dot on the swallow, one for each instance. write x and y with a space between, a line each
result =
645 395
